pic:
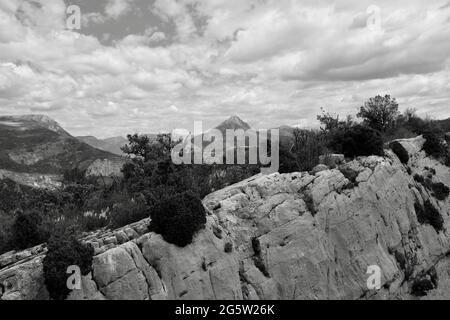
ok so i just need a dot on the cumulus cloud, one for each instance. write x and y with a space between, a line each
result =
117 8
273 62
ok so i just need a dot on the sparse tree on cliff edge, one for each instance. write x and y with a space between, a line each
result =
379 113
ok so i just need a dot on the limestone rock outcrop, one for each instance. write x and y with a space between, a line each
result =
290 236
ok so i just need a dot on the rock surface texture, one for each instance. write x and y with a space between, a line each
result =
291 236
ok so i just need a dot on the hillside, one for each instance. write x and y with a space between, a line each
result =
111 145
38 145
292 236
445 124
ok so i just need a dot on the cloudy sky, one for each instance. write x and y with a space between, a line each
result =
156 65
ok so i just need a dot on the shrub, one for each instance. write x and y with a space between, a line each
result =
6 222
288 162
74 175
302 152
428 214
228 247
434 144
424 282
94 222
440 190
5 245
178 217
421 286
27 230
308 146
356 141
64 250
418 178
128 212
400 151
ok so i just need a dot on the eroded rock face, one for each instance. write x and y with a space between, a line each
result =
35 180
122 273
292 236
106 168
23 281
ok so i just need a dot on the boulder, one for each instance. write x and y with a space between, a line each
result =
332 160
122 273
7 259
319 168
121 236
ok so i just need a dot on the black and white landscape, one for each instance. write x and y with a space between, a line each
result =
224 150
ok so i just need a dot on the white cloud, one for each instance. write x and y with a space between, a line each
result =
274 62
92 18
116 8
178 13
157 36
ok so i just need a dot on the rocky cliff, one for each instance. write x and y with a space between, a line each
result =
292 236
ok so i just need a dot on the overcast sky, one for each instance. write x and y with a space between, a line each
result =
150 66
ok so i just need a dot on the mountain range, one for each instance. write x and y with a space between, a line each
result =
35 147
112 145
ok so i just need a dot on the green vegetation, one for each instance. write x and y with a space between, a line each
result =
228 247
440 190
152 183
424 282
87 204
28 230
64 250
379 113
400 151
57 151
381 122
178 217
428 214
357 140
434 144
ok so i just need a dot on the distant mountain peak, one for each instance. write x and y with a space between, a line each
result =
234 122
40 119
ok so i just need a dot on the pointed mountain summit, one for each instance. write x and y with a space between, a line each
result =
234 123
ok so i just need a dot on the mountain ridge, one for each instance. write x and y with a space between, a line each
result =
36 145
